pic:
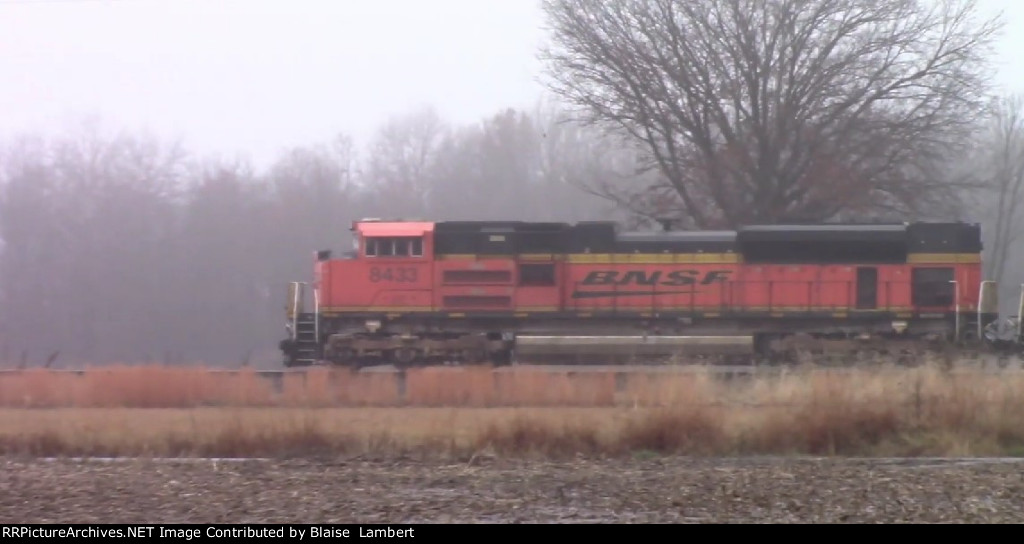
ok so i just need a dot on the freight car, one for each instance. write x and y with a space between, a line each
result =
420 293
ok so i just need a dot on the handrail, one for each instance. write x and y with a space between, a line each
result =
316 315
296 308
983 304
1020 312
956 310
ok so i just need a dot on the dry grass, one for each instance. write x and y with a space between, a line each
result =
889 411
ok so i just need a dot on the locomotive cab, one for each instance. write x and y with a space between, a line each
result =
386 271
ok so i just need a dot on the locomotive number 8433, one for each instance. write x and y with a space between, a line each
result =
498 292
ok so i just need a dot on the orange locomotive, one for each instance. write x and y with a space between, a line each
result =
418 292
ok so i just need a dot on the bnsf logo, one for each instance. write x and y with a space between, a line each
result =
674 278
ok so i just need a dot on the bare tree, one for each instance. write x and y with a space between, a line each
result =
781 110
584 171
401 157
86 221
1004 161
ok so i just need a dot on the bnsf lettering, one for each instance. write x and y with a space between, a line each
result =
674 278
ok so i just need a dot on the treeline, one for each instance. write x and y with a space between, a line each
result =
122 247
125 248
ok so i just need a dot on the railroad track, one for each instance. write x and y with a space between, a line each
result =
987 367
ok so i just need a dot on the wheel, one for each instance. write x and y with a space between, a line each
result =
343 356
405 356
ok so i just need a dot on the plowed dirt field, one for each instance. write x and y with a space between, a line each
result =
638 490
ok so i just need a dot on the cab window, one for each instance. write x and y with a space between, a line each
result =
394 246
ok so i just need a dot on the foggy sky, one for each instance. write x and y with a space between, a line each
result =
250 77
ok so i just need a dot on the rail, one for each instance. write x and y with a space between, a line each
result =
569 370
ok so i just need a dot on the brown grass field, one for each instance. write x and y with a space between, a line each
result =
189 411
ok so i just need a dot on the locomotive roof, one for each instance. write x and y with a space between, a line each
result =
396 228
895 233
681 235
608 236
493 225
830 227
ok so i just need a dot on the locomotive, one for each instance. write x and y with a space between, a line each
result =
500 292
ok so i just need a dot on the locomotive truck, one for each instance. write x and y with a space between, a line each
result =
497 292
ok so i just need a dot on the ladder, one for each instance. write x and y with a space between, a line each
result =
307 349
303 327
